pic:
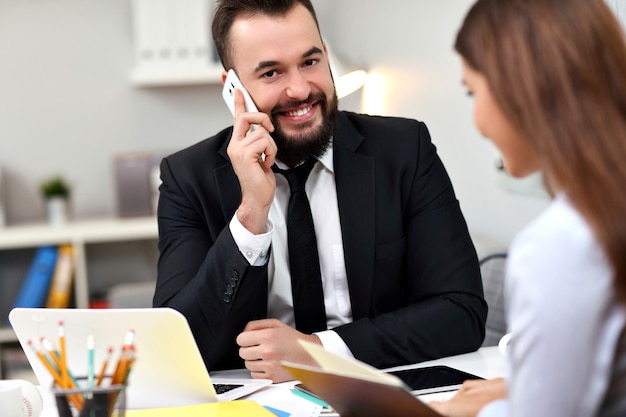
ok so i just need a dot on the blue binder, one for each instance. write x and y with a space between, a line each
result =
34 289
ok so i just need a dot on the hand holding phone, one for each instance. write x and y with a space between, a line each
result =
231 84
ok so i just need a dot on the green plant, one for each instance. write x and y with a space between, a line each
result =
55 187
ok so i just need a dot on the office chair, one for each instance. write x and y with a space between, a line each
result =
492 268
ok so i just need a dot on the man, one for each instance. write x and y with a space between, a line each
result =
399 274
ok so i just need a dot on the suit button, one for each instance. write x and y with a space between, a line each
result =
229 290
227 298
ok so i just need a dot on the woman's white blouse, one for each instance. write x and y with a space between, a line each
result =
567 356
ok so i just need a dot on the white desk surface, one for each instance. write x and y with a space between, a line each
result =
485 362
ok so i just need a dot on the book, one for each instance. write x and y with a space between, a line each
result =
355 389
62 278
36 283
237 408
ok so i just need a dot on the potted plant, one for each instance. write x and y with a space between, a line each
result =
56 192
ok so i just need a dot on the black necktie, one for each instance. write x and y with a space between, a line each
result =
304 264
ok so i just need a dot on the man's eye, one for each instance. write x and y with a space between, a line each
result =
270 74
310 62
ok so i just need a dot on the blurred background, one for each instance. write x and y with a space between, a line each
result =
98 91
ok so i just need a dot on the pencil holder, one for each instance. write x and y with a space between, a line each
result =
103 401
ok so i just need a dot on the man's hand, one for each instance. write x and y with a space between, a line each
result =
472 397
264 343
255 174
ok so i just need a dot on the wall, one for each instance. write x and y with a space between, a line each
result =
67 107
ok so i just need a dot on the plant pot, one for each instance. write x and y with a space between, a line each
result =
57 211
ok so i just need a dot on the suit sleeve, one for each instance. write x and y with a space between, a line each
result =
437 307
201 272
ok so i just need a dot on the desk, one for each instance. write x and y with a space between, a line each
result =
485 362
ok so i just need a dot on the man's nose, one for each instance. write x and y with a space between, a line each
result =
298 87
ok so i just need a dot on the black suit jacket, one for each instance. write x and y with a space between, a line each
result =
412 270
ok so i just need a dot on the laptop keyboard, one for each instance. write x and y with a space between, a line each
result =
222 388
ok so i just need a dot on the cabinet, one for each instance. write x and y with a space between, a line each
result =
82 235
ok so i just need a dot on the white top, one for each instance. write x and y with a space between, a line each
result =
567 356
322 193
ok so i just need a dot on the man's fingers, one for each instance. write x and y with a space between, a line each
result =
262 324
240 104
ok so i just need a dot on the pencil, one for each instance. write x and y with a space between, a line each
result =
122 363
46 362
63 359
131 362
91 342
52 356
104 366
76 399
55 357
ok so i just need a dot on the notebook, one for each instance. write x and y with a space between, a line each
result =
168 371
354 388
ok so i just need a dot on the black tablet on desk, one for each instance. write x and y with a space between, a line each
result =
432 379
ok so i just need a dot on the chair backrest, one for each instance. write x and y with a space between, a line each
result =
492 268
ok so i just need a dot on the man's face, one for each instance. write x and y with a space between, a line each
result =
283 64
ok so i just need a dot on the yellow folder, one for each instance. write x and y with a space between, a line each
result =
237 408
61 285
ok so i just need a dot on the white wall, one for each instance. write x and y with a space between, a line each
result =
66 105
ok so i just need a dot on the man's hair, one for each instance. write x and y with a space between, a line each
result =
557 69
226 11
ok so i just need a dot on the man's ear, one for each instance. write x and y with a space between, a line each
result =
224 74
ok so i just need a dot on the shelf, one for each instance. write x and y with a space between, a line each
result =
147 76
7 334
79 234
81 231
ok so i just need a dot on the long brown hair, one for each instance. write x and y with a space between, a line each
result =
558 70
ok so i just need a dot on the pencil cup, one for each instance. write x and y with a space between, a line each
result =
107 401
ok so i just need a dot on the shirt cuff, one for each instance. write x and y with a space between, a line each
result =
255 248
332 342
498 408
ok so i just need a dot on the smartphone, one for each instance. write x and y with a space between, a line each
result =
231 84
433 379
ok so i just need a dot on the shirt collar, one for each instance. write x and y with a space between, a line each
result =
326 159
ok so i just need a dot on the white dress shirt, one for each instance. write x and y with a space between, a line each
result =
322 194
567 355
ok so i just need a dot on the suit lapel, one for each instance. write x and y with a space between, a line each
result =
354 176
227 185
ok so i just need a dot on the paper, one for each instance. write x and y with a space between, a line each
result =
236 408
347 366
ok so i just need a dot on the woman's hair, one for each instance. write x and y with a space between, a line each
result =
227 11
557 68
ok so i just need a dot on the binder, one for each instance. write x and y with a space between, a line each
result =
62 278
35 285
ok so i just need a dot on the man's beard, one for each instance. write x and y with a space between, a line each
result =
297 148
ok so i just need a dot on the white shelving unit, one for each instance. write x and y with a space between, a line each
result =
172 43
79 234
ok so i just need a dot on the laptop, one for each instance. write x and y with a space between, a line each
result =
168 370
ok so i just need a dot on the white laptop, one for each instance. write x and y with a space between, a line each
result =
168 371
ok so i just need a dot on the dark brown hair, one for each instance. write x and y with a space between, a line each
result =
226 11
557 68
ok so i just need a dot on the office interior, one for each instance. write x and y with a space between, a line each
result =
68 107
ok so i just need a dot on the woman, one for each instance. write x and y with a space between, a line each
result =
548 79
